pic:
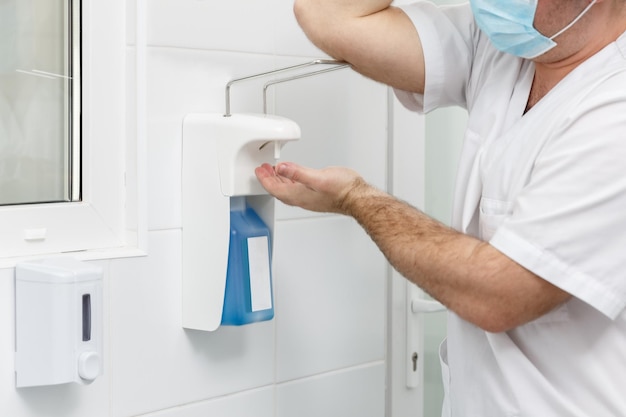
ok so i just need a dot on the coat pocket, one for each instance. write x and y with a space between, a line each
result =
492 214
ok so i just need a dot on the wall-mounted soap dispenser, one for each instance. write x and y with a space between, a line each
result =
227 216
223 203
58 312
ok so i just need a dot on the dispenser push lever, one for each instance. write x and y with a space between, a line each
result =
337 65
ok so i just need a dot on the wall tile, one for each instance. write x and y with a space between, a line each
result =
257 403
353 392
234 25
330 297
267 27
156 364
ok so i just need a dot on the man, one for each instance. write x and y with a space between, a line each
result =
534 271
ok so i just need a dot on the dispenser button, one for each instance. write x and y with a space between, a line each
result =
89 365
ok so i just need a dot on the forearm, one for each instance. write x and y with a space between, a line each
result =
467 275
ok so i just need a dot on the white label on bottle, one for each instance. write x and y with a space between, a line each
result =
260 285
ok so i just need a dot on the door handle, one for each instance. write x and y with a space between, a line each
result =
416 305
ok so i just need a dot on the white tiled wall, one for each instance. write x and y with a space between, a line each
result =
324 353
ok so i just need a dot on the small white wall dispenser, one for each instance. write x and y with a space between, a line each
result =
58 311
227 217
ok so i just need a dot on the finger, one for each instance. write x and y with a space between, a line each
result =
265 171
297 173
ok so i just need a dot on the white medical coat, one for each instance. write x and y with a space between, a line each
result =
548 189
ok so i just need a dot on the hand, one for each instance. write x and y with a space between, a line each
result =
324 190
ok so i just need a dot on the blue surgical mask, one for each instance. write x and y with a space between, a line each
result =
509 26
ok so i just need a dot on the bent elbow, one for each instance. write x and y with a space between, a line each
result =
496 326
500 320
494 320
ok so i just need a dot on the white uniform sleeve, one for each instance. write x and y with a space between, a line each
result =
448 35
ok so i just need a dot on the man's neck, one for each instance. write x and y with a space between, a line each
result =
555 65
548 73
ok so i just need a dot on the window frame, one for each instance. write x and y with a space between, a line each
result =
109 221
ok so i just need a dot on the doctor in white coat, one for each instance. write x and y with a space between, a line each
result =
533 271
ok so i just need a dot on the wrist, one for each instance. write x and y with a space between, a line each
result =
356 196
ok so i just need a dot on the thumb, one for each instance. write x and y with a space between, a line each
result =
296 173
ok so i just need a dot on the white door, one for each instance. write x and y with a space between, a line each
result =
423 158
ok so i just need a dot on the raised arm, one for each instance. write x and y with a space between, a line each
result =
378 40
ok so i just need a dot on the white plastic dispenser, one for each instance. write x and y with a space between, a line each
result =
220 154
228 218
58 310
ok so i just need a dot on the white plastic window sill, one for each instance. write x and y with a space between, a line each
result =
110 221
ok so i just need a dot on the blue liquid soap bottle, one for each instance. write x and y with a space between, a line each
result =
248 295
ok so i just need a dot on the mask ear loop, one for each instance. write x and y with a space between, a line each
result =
584 12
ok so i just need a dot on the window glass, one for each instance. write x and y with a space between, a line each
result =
39 101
